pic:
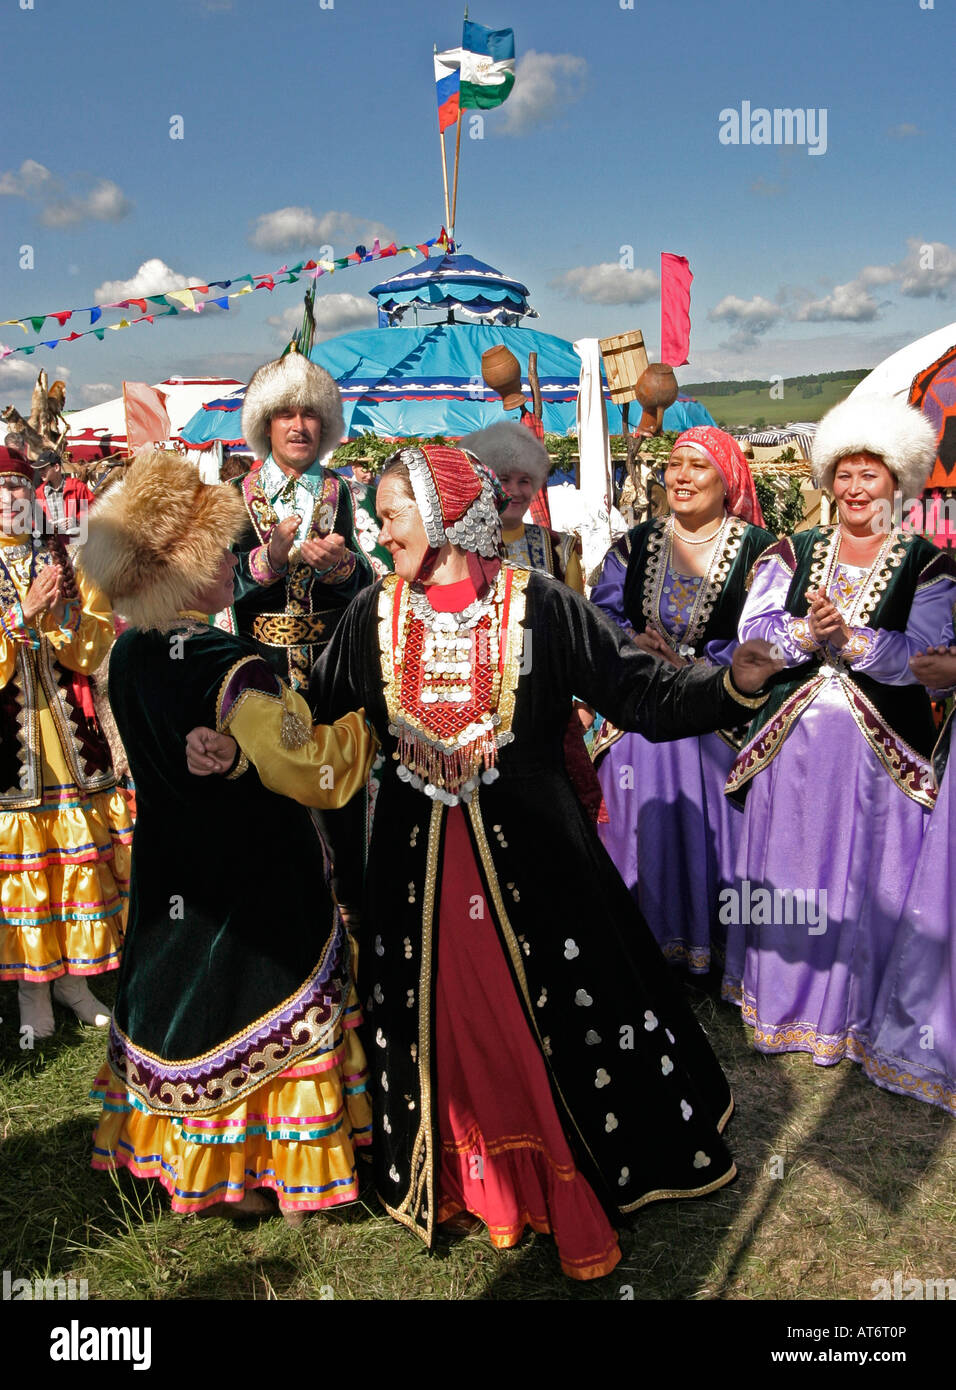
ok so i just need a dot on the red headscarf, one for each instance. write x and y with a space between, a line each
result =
459 500
724 453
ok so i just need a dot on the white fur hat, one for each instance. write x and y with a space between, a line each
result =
897 433
289 383
506 448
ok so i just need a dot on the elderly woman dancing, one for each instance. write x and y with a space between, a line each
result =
836 765
677 586
533 1062
233 1063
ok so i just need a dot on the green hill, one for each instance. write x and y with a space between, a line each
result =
749 404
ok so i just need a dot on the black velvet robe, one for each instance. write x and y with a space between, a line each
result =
235 963
592 983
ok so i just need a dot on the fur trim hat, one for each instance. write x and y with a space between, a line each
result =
507 448
882 425
289 383
157 539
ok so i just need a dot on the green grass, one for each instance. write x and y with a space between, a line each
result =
867 1188
741 410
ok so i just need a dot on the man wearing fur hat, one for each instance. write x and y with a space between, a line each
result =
522 463
300 563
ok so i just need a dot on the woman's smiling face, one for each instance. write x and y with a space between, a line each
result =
403 532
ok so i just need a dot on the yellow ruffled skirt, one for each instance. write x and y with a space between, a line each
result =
295 1134
64 884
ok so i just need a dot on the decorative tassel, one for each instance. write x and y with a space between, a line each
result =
294 732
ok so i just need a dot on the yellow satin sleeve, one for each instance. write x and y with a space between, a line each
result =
321 765
8 658
574 574
84 648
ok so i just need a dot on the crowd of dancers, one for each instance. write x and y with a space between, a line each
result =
390 717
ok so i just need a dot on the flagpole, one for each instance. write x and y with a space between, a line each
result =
444 162
444 174
454 196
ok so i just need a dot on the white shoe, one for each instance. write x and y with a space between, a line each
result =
74 992
36 1011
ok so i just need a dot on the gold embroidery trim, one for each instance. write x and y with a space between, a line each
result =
747 701
236 666
421 1151
889 756
659 549
259 1067
287 629
772 735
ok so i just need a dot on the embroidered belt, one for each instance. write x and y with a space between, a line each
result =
287 630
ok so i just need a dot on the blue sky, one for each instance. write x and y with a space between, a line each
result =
307 124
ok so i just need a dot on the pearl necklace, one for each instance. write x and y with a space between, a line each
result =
687 539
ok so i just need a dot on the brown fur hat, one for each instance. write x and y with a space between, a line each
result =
157 538
289 383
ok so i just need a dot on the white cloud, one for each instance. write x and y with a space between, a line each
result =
905 131
758 313
91 393
607 283
99 200
105 202
849 303
831 352
749 318
300 228
15 372
929 268
31 180
334 314
153 277
544 84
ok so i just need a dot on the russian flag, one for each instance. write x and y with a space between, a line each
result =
447 79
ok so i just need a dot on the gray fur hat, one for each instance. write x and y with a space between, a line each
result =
897 433
506 448
289 383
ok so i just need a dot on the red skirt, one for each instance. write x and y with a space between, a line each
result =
504 1154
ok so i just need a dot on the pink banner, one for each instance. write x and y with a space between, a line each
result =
676 280
146 419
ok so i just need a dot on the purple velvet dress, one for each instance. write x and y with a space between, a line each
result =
830 834
671 831
913 1040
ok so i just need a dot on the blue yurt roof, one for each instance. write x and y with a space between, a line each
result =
454 281
397 382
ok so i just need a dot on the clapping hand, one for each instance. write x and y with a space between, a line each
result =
826 622
209 753
282 541
325 553
44 595
935 668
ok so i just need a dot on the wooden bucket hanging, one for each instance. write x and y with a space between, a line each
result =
625 359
